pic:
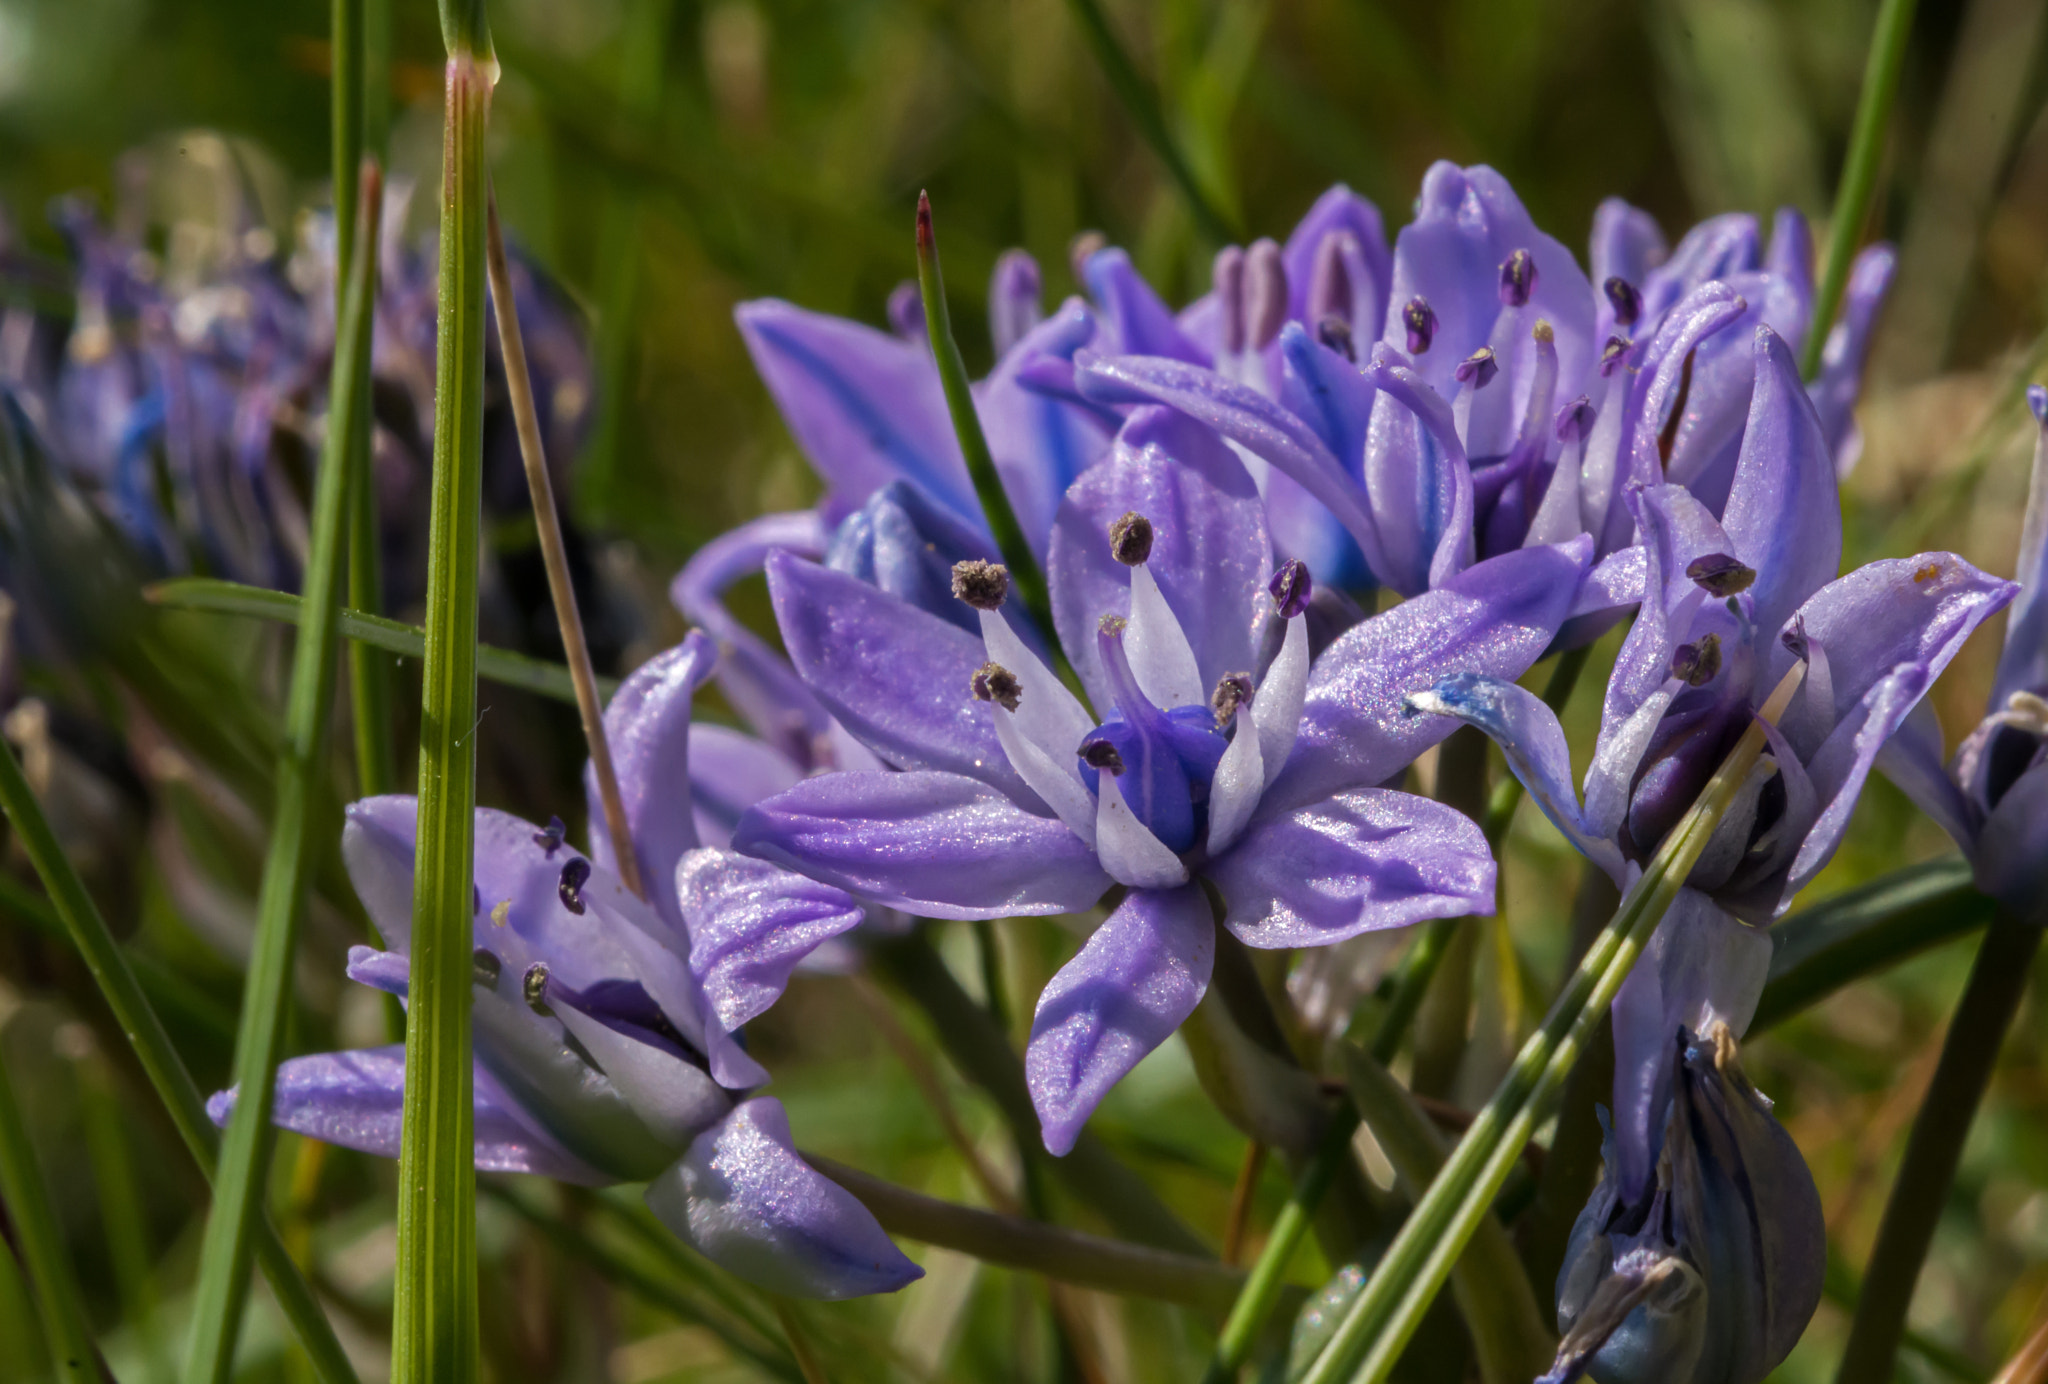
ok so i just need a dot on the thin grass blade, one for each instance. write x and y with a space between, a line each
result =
52 1281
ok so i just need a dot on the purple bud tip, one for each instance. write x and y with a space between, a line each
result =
1227 280
1082 248
1623 298
1575 419
1233 690
1720 575
983 585
1696 664
550 840
1329 282
1613 354
906 311
1291 588
1335 333
927 241
992 682
1017 276
533 987
574 874
1478 369
1100 754
1130 539
1265 294
485 968
1420 320
2037 400
1517 278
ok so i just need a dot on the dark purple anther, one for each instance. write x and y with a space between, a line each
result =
1100 754
1626 302
533 986
485 968
1420 320
1517 278
1613 354
1335 333
571 888
983 585
1265 294
992 682
1719 575
1227 280
1291 588
550 840
1233 690
1130 539
1575 420
1329 283
1478 369
476 899
1696 664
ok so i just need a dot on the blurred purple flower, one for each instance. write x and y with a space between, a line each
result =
600 1051
1216 753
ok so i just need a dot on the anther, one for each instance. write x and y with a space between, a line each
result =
533 987
1291 588
1575 419
1265 294
1696 664
484 968
1233 690
550 840
1623 298
1478 369
1227 279
1130 538
983 585
1543 331
1100 754
1517 278
574 874
1718 574
1111 624
992 682
1420 320
1613 353
1335 333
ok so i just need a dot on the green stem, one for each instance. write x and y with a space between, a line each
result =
281 900
1858 188
434 1332
981 466
1142 106
1997 985
501 666
160 1061
59 1304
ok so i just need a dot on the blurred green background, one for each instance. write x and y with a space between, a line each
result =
668 159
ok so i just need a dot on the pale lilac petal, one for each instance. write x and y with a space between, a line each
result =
1162 659
1239 783
866 407
730 771
935 844
376 846
1127 848
1627 244
746 1200
2012 853
1327 392
675 1098
1843 761
1714 249
1913 760
1841 364
750 923
1210 553
2023 667
647 724
1041 445
1496 617
897 677
1123 994
1133 315
1340 211
1676 530
1712 309
902 543
1418 477
1014 291
1276 709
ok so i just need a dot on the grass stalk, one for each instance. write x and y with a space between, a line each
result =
53 1283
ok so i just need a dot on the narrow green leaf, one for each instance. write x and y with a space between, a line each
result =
281 900
434 1333
123 1219
59 1304
160 1061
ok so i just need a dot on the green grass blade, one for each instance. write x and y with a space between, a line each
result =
434 1333
123 1219
59 1304
160 1061
281 900
502 666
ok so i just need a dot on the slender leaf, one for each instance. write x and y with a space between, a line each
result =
59 1304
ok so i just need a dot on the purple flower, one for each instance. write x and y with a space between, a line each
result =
1215 754
601 1056
1993 797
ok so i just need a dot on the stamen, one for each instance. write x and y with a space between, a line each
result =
1719 575
1233 690
485 968
1697 664
983 585
574 875
1794 638
1575 420
1544 332
1130 538
550 840
992 682
1626 302
534 988
1227 279
1612 355
1517 278
1265 294
1335 333
1420 320
1082 248
1111 624
1329 285
1100 754
1291 588
1478 369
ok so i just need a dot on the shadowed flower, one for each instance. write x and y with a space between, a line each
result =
1216 757
600 1056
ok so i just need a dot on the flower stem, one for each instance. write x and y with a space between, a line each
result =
40 1242
554 553
1997 985
981 466
434 1332
1858 187
153 1048
281 901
